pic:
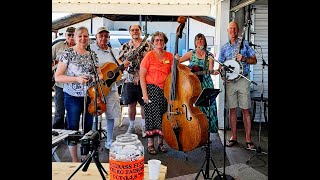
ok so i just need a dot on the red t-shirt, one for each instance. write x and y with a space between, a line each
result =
157 71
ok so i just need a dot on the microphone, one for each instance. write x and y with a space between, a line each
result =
88 48
254 45
208 52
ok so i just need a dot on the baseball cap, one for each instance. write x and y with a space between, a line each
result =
100 29
70 29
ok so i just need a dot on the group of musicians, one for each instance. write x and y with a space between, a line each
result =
146 67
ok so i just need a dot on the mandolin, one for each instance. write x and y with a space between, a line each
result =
132 57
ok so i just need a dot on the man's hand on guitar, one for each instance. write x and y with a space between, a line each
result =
126 63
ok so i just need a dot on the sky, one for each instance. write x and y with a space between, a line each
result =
58 15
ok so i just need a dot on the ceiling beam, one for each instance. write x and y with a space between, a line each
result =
204 19
76 18
70 20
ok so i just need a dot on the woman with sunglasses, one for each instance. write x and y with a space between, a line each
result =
154 69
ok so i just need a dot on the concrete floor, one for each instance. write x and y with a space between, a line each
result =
186 165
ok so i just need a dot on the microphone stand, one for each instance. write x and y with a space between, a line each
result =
258 149
227 69
91 138
96 83
224 176
205 99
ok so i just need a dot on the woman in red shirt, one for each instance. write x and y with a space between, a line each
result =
154 69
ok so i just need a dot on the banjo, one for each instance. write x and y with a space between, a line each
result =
236 66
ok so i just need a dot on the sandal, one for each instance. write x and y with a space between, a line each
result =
231 142
162 148
250 146
151 150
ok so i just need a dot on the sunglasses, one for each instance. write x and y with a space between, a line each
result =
70 35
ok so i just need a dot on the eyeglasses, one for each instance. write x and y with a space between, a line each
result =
134 30
70 35
157 40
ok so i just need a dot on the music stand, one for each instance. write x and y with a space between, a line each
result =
207 96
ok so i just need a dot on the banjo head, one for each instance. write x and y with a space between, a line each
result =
234 74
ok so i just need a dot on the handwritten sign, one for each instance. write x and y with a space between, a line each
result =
133 170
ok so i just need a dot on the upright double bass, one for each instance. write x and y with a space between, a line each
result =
184 126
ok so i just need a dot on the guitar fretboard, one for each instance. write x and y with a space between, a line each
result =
204 72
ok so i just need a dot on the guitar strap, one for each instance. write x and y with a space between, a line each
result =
205 62
117 64
205 68
113 56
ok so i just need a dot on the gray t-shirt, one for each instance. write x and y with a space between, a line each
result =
57 49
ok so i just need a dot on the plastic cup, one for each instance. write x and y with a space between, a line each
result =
154 168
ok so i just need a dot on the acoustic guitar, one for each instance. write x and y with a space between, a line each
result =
197 70
111 73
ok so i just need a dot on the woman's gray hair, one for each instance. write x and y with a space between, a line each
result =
158 33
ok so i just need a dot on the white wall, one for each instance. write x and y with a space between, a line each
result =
199 27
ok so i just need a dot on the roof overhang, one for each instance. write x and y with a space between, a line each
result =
137 7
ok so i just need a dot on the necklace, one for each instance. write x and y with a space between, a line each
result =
160 55
200 54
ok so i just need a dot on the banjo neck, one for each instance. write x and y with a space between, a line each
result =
240 40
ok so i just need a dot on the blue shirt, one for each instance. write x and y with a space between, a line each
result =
227 50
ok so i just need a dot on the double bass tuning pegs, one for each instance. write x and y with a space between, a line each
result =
182 19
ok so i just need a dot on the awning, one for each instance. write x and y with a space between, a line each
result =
137 7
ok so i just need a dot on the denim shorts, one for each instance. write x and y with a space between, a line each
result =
75 107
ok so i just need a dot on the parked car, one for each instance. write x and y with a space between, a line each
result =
114 42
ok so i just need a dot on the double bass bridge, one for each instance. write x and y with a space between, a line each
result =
177 111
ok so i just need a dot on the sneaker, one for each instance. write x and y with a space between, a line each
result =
107 145
130 129
143 131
